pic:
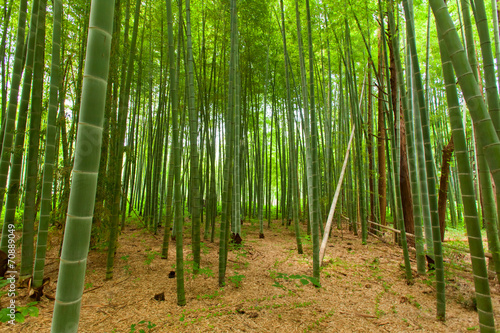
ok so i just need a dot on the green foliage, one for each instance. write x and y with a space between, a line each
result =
378 312
3 283
236 279
413 301
98 239
208 272
238 247
302 305
374 265
19 218
213 295
319 320
149 327
306 239
189 268
204 248
126 268
430 278
21 313
151 255
303 279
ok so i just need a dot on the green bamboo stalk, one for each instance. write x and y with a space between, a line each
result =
7 154
396 150
314 140
6 20
50 144
422 173
468 34
356 120
264 152
177 153
496 34
492 98
237 138
193 136
229 151
168 204
419 241
485 129
119 148
174 106
485 311
429 166
330 162
87 155
291 135
29 212
213 193
312 199
493 102
8 123
103 183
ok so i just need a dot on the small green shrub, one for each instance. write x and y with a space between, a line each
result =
303 279
20 313
151 256
236 279
149 327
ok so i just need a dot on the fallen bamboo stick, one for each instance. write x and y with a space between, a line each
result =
334 202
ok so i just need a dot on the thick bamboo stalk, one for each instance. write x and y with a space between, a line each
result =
87 155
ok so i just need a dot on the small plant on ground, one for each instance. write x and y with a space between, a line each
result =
306 239
189 266
208 272
20 313
126 268
302 305
3 283
319 321
149 326
413 301
236 279
151 256
210 296
374 265
378 312
204 248
303 279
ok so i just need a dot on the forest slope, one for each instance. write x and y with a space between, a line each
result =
362 289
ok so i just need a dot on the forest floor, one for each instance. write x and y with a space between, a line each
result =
363 289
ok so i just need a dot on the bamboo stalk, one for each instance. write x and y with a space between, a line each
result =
334 202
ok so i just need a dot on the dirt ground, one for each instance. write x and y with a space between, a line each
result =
362 289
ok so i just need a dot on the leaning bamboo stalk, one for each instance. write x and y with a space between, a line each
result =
76 241
334 202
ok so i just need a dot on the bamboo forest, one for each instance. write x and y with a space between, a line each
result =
249 166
